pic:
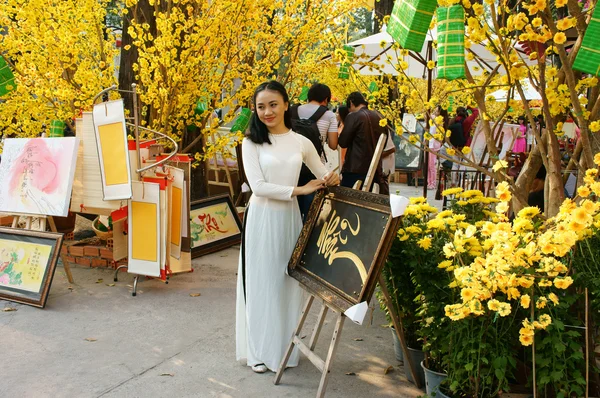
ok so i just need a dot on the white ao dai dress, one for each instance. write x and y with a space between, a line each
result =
268 312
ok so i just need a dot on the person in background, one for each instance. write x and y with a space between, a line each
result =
341 114
268 301
520 144
360 135
388 161
536 193
318 95
466 120
435 146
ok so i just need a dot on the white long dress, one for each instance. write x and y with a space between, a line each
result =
268 312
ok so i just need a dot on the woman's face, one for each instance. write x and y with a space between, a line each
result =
270 108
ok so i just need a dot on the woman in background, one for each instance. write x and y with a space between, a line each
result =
268 302
435 146
521 140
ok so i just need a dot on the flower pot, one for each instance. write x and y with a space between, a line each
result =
397 346
417 357
433 381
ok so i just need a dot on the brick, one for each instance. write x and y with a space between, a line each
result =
106 253
83 261
76 251
98 262
70 259
70 236
91 251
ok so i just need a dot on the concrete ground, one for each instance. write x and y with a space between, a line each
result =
94 339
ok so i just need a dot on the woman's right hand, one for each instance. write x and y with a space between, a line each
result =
313 185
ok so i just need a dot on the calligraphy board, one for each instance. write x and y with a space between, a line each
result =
343 245
27 263
36 175
214 225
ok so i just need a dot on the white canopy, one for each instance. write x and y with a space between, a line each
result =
502 95
369 49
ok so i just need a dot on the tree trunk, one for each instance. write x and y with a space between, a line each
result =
382 8
141 12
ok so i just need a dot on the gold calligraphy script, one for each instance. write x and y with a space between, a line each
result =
335 232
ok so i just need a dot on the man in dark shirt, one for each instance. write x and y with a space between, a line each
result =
360 135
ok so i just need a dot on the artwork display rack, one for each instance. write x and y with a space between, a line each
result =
44 221
324 365
139 169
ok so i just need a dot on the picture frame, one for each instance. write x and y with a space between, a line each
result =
27 263
343 245
214 225
407 156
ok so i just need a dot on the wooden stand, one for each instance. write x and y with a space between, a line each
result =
323 365
43 219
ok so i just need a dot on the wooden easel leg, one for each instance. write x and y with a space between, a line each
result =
63 258
399 330
318 326
288 353
332 349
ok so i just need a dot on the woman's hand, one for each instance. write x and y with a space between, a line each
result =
332 179
312 186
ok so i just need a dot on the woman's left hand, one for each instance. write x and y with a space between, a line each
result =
332 179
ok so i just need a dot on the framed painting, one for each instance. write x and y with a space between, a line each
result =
214 225
407 156
27 263
343 245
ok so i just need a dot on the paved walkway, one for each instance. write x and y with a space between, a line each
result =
166 343
94 339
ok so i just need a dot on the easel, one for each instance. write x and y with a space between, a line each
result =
139 169
308 349
42 227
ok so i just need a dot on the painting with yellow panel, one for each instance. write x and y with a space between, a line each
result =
114 154
144 229
23 265
176 196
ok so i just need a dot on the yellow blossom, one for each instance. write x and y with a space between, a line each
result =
525 301
560 38
466 150
500 164
424 243
563 283
383 122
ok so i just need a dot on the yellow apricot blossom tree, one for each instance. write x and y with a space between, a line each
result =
553 30
216 53
61 57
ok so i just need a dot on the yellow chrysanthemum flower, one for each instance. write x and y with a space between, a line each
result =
383 122
425 243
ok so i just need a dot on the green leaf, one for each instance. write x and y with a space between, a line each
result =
499 363
557 376
469 366
499 374
545 380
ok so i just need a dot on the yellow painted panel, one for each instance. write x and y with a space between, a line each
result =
176 195
114 153
144 229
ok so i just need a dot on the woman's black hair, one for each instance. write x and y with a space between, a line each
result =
356 99
343 111
259 133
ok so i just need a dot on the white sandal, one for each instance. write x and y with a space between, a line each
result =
260 368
